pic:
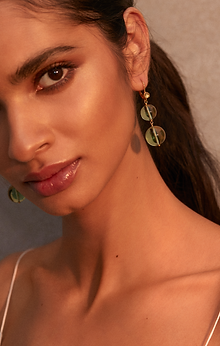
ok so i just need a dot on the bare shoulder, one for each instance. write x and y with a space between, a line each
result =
203 246
210 237
32 259
6 272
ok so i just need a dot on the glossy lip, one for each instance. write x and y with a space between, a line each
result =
53 179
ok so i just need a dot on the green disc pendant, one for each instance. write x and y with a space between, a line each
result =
155 136
15 196
144 113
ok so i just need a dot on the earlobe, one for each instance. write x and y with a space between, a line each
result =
137 50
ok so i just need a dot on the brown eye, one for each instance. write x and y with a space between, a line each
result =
52 76
55 73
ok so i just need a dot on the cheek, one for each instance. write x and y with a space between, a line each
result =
97 108
102 121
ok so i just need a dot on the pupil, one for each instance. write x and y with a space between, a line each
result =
56 73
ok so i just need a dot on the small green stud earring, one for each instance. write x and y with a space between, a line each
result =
15 196
155 135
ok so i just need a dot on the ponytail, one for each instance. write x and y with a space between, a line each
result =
184 164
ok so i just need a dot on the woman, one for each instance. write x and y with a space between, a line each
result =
138 262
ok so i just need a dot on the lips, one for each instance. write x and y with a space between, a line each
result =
53 179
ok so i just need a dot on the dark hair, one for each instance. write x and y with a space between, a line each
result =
185 165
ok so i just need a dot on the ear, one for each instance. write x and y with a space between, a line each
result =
137 50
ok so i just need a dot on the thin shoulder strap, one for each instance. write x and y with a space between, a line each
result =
213 330
10 293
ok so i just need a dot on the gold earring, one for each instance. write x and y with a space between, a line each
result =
15 196
155 135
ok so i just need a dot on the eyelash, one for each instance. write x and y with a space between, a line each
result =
55 87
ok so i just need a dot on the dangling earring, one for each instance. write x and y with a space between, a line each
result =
155 135
15 196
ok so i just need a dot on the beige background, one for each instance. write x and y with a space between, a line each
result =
189 31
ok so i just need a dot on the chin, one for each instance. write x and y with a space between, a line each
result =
62 204
56 209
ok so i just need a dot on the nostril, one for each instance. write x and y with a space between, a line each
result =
25 149
43 145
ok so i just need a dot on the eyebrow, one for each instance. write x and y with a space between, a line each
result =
31 65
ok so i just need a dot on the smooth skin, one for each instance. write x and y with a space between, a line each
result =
134 265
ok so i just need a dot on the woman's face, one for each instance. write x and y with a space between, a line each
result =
66 111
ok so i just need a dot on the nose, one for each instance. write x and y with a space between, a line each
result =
29 132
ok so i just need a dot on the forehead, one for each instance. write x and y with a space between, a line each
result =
23 35
17 22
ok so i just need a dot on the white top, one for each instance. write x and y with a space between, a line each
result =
12 286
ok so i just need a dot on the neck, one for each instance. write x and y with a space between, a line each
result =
121 227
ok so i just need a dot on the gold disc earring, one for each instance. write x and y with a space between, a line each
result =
155 135
15 196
